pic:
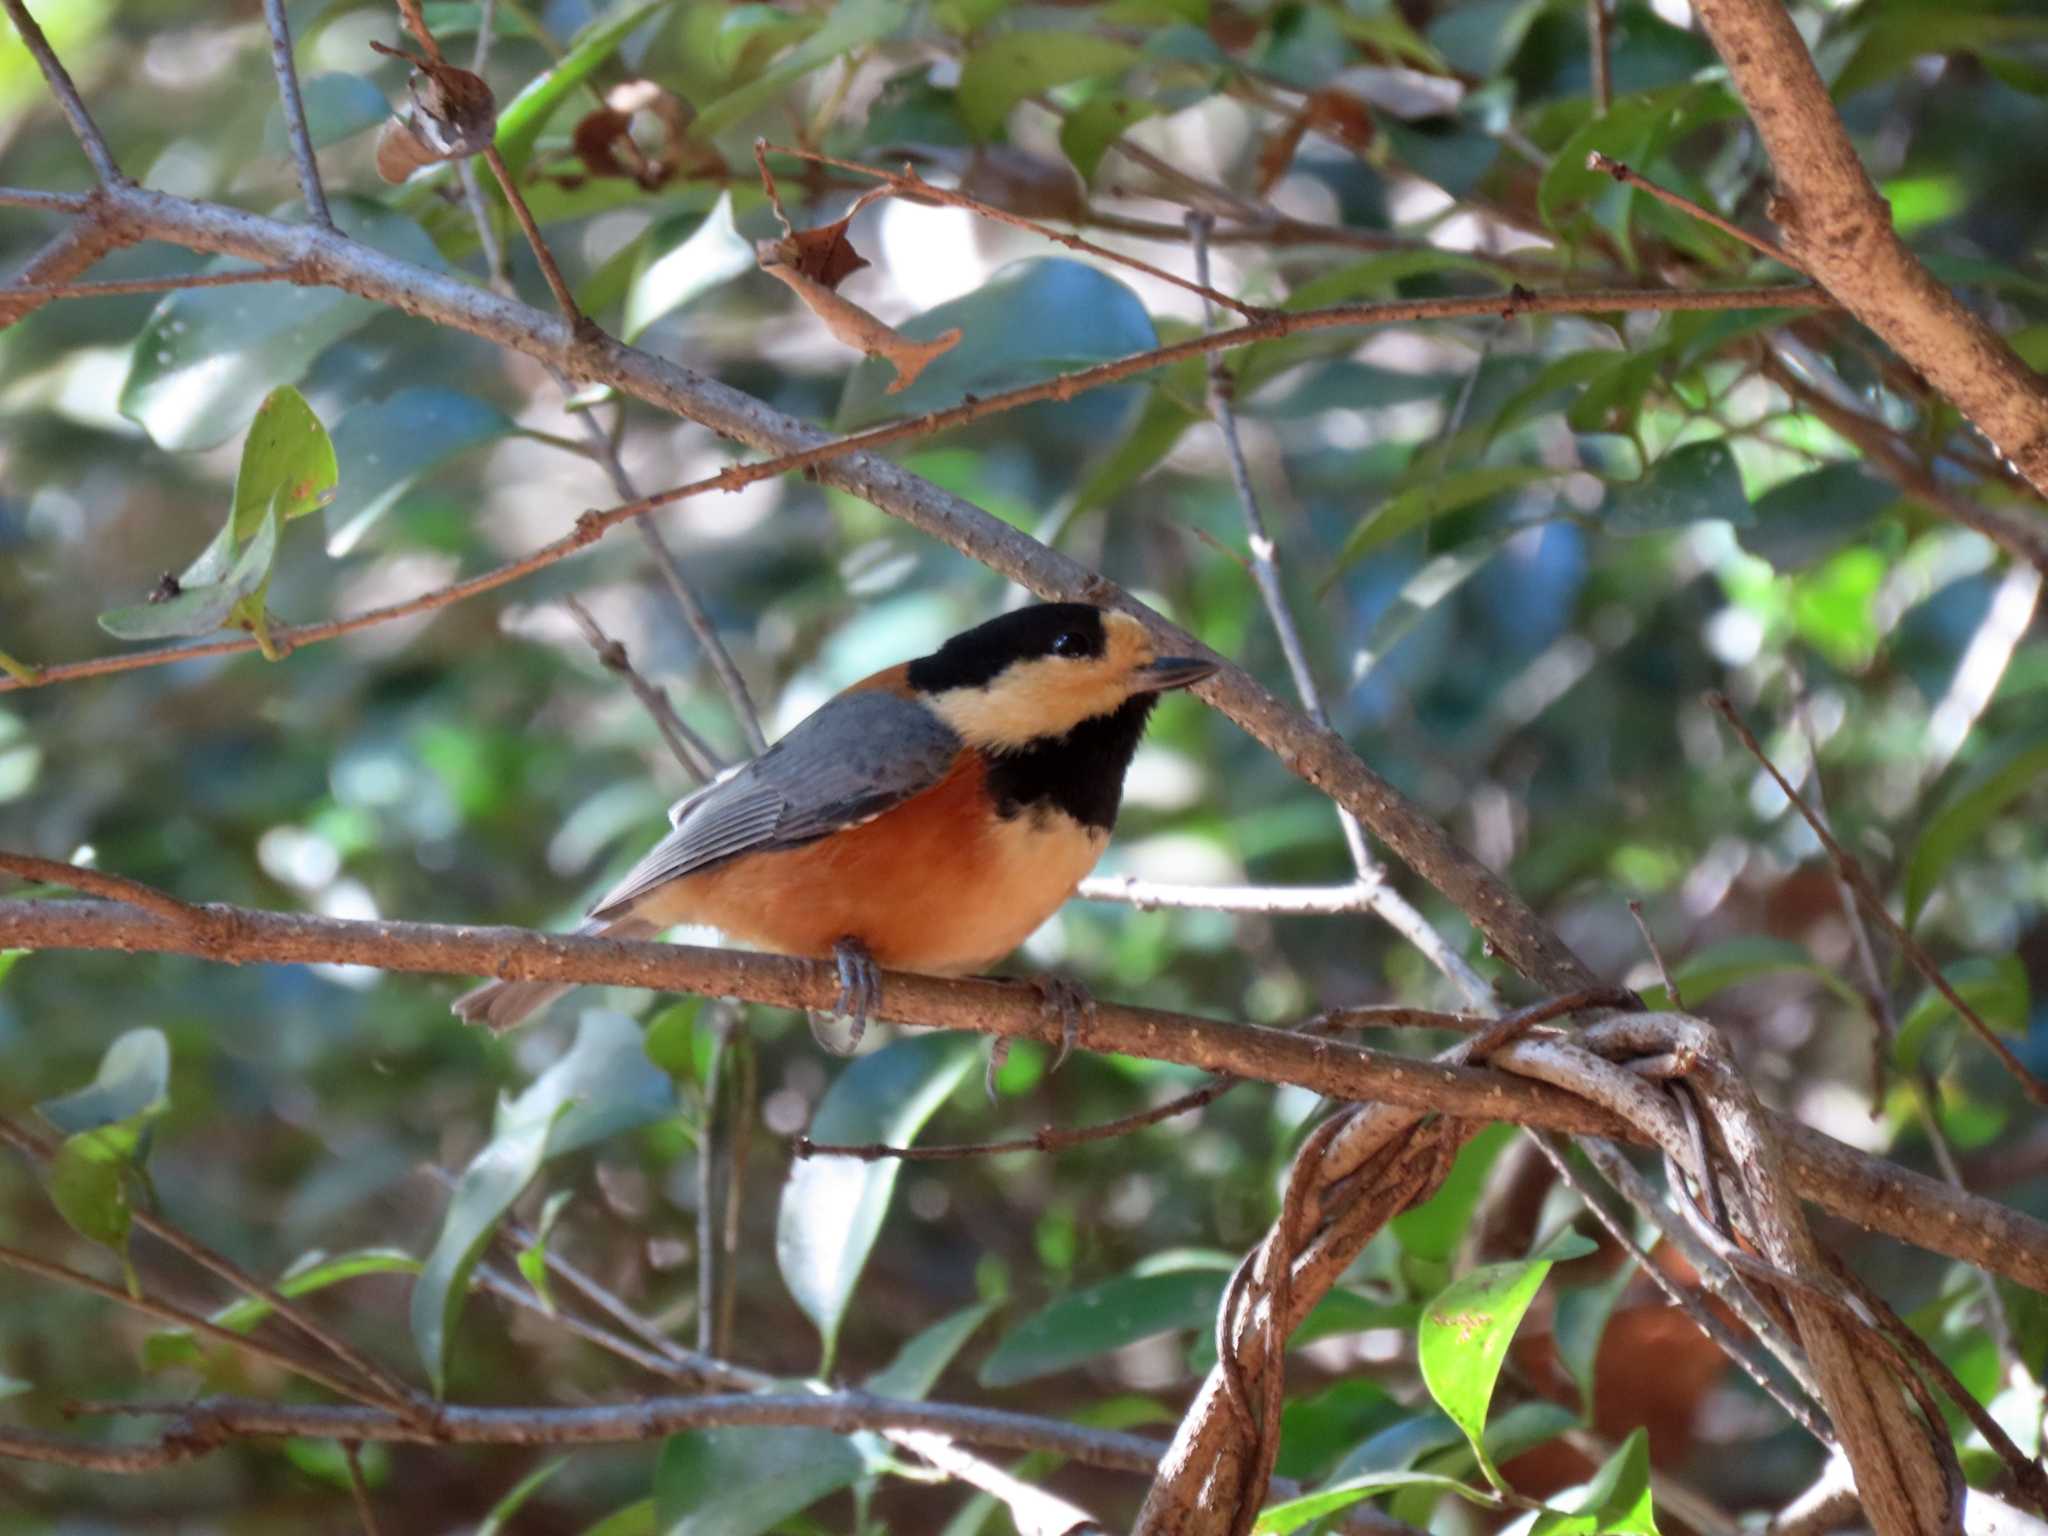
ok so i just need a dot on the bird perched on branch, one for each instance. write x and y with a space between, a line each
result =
926 819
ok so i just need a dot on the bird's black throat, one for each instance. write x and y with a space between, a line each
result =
1080 773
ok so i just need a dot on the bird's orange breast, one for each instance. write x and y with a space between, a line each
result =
938 884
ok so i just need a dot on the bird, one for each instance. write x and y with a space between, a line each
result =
926 819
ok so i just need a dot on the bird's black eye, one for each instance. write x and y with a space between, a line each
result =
1068 643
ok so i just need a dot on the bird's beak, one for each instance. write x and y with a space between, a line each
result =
1171 672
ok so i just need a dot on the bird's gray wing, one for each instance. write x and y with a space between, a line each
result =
858 756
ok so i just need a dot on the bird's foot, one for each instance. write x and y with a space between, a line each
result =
1066 1000
860 993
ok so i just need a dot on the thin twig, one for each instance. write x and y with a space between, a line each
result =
1677 1004
52 202
1873 903
352 1451
1050 1138
97 882
1597 161
688 748
164 1311
416 23
564 300
1261 900
1599 26
1391 907
294 104
83 128
115 287
908 184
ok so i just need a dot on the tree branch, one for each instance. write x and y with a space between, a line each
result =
1867 1190
83 128
1840 229
294 105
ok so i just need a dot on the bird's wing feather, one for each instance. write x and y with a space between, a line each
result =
858 756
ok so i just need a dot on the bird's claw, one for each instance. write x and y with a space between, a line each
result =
1069 1002
860 993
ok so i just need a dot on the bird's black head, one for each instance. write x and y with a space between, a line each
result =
1056 695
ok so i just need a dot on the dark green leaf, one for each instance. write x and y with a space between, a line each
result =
1101 1318
853 24
919 1363
1814 514
208 356
740 1482
1032 320
1003 71
1994 985
1688 485
1580 1323
1434 1229
337 107
604 1086
386 445
1096 124
832 1207
1734 961
1420 504
1967 810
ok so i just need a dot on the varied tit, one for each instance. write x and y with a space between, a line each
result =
926 819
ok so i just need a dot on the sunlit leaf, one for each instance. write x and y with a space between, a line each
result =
740 1482
533 1257
1465 1332
1615 1503
673 270
314 1272
1292 1514
201 606
832 1207
288 464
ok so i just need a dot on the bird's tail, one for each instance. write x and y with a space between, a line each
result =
505 1004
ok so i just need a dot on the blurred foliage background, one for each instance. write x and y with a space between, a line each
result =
1520 550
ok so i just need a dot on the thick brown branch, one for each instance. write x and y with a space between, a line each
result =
1840 229
1867 1190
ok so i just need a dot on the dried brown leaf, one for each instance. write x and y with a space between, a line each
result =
854 326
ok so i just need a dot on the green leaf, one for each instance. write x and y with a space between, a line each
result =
208 356
1688 485
388 444
1812 515
712 252
1731 962
89 1183
502 1511
1544 392
338 107
1033 319
1005 70
521 119
604 1086
134 1078
635 1519
919 1363
1464 1338
311 1272
1090 129
853 25
1994 985
832 1207
1615 1503
533 1258
739 1482
1292 1514
1580 1323
1165 417
287 464
201 606
1967 810
1420 504
1100 1318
